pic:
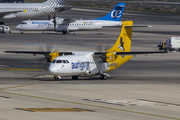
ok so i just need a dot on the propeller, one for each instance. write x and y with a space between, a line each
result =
49 17
44 48
102 48
54 21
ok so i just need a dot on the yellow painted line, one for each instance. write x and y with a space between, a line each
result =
117 109
54 109
26 85
22 69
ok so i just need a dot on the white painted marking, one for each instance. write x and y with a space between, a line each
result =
90 10
45 76
131 102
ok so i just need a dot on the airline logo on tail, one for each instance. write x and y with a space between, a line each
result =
116 13
121 46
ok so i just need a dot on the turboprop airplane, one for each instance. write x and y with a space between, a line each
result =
70 25
29 10
88 64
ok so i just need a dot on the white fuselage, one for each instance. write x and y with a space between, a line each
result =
80 64
78 25
26 10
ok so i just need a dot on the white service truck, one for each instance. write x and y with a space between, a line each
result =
4 28
172 44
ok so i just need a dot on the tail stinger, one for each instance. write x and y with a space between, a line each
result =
115 14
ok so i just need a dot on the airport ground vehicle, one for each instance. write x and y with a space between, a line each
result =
4 28
161 45
171 44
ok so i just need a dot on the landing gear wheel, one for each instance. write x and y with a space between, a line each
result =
75 77
103 77
66 32
57 78
22 32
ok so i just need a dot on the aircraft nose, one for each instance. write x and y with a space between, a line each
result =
53 70
17 27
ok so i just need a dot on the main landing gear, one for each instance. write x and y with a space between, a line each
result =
57 78
66 32
104 76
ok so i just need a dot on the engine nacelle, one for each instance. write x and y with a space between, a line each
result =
53 55
9 16
110 57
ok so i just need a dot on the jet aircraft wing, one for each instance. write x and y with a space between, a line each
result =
62 8
5 12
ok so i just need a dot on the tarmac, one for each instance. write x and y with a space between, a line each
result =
146 87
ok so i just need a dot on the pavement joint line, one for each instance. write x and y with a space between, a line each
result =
117 109
26 85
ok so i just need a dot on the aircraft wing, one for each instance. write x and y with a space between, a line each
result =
132 53
38 52
69 20
5 12
62 8
95 53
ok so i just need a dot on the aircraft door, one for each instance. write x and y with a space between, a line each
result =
97 25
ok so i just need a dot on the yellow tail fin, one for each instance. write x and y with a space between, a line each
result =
123 44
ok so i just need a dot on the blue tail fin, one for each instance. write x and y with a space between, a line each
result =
115 14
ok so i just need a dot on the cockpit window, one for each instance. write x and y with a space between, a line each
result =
53 61
59 61
67 61
24 23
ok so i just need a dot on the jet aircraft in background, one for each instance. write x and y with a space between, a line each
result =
29 10
70 25
88 64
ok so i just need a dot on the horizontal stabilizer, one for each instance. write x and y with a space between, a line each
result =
149 26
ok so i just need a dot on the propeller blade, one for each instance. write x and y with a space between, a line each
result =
48 47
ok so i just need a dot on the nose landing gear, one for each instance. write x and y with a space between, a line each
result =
57 78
